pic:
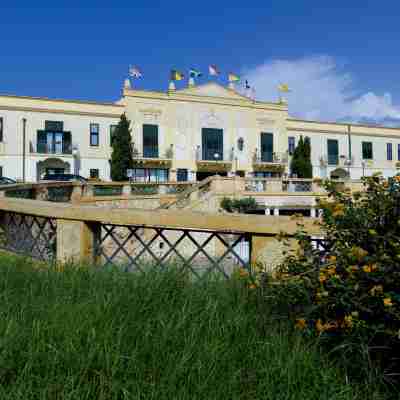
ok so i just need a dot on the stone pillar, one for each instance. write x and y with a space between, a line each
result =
267 211
126 189
276 212
88 190
172 175
75 241
313 213
76 195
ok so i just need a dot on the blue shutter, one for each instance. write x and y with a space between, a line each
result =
267 147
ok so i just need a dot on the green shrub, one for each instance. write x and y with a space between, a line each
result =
238 205
351 296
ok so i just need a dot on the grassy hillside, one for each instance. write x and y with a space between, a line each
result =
81 334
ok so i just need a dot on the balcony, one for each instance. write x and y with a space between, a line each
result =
273 162
336 160
56 148
151 158
213 160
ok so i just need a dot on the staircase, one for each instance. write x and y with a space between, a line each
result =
197 197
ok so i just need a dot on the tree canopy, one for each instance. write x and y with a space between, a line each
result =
121 157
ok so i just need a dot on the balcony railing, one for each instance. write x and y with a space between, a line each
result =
270 158
51 148
296 185
333 159
152 152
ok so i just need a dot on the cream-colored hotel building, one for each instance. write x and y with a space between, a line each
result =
181 135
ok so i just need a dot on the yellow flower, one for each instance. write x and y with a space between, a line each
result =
338 210
387 302
367 268
332 259
322 278
319 326
301 323
348 321
376 289
331 271
359 253
252 286
243 272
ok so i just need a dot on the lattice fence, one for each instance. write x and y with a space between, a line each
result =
29 235
135 248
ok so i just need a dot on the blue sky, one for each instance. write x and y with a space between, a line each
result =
83 52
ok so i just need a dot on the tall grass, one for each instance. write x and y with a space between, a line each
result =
85 334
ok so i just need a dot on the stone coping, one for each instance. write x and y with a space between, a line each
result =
174 219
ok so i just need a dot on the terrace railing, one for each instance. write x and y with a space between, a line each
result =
198 244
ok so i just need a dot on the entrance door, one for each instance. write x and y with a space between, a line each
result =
212 144
54 171
267 147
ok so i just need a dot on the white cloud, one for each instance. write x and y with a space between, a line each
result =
320 90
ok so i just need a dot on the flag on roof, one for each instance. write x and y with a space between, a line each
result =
284 87
194 73
213 70
247 86
176 75
135 72
233 77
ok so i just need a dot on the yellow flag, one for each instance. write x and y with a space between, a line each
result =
176 75
233 77
284 87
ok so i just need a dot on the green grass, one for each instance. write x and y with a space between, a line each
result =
82 334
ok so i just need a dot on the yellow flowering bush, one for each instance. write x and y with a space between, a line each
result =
352 290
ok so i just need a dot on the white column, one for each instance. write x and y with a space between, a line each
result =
276 212
313 213
267 211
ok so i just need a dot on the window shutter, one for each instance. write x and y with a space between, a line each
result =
150 141
41 142
333 152
267 147
67 144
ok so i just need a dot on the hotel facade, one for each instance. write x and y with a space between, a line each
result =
183 135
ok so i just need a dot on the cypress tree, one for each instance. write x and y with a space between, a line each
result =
121 157
301 159
307 172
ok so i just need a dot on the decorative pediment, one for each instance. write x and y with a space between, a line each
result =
213 89
151 115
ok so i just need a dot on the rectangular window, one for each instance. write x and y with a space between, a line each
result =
333 152
291 145
150 141
54 142
182 175
1 128
94 134
94 173
398 151
389 151
267 147
212 144
150 175
112 132
54 126
1 171
367 153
